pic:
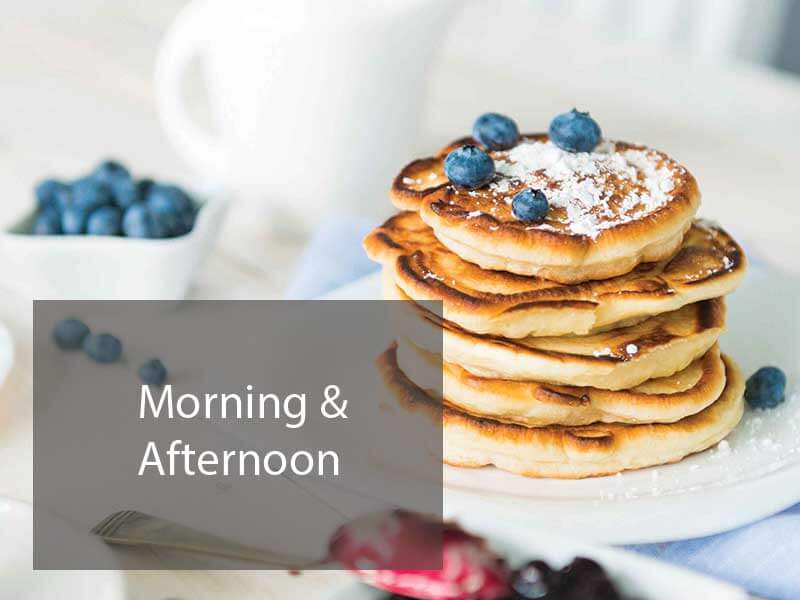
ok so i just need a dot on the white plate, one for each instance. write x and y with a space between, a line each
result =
698 496
19 581
636 576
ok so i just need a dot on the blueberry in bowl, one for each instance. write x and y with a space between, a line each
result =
51 193
137 221
110 170
106 220
47 222
126 192
73 220
99 204
89 194
111 235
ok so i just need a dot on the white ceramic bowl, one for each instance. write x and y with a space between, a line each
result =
85 267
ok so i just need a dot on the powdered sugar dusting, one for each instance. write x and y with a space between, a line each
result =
765 441
597 190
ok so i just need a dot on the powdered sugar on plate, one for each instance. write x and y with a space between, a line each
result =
597 190
764 441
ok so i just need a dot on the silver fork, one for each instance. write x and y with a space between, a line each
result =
134 528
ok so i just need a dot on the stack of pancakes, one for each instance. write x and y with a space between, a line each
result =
582 344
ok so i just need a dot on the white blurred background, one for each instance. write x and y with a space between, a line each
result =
710 81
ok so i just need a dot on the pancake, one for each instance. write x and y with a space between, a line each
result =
708 264
572 452
663 400
610 209
614 360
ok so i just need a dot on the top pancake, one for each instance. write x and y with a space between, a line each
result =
708 264
610 209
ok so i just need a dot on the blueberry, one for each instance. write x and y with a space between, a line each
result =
529 205
469 167
533 581
73 220
495 131
102 347
575 131
167 199
125 192
171 210
137 222
48 222
187 222
106 220
583 569
47 193
70 333
153 372
63 198
88 194
165 224
109 170
583 579
143 187
766 388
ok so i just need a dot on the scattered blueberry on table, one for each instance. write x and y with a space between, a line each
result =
153 372
469 167
69 334
102 347
495 131
110 202
766 388
529 205
575 131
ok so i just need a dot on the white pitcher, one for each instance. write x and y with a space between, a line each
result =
316 103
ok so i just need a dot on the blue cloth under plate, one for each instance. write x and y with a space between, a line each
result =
763 557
